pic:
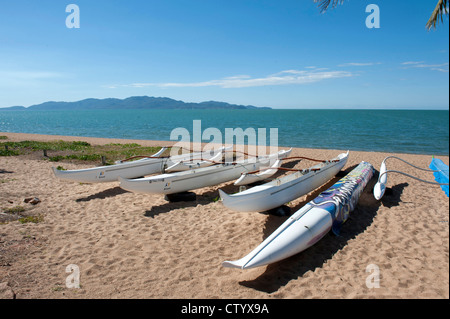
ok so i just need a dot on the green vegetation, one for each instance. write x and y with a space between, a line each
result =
6 180
437 15
76 151
14 210
18 213
8 152
51 146
3 137
31 219
80 157
129 145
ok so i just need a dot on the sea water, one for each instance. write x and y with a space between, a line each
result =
398 131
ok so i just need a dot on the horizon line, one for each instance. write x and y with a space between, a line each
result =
265 108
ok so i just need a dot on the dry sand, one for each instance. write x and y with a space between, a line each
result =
141 246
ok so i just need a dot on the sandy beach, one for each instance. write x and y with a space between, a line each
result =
127 245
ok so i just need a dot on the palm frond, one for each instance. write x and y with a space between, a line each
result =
438 14
325 4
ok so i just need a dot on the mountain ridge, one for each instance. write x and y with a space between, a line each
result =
133 102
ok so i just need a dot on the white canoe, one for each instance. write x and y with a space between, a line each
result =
313 221
188 165
146 166
284 189
178 182
249 178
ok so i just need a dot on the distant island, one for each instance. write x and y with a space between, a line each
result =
134 102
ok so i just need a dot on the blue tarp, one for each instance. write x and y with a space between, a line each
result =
442 175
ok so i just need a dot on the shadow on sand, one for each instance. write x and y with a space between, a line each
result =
392 195
201 199
280 273
111 192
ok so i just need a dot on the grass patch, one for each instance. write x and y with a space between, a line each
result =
129 145
77 151
127 152
56 158
58 288
17 213
6 180
8 152
31 219
51 146
3 137
84 157
80 157
27 147
14 210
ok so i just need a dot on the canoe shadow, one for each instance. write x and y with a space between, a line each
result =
203 198
282 272
392 194
167 207
111 192
3 171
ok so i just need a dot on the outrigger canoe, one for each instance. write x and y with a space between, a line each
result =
284 189
146 166
312 222
171 183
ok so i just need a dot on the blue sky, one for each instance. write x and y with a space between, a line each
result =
282 54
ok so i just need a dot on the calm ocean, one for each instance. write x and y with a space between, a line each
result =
399 131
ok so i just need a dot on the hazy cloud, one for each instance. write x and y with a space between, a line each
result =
443 67
29 75
285 77
412 62
359 64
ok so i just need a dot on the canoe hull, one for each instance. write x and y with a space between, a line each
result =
177 183
293 237
311 223
268 196
105 174
111 173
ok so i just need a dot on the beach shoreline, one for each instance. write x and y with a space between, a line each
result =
17 137
127 245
